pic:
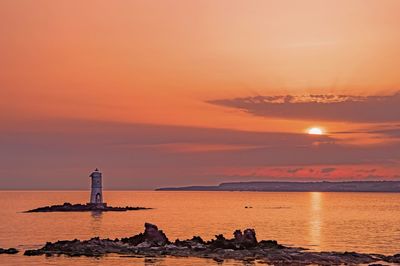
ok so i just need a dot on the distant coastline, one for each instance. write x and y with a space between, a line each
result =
320 186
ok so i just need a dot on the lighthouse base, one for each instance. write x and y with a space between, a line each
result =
97 205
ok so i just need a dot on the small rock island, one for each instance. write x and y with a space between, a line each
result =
96 201
244 246
8 251
68 207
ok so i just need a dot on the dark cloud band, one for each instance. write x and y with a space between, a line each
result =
372 109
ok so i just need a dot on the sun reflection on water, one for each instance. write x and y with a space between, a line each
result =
315 218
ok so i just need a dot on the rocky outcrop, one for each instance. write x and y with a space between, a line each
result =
243 246
240 240
393 259
8 251
68 207
151 237
247 239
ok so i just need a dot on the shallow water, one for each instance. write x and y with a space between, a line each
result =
362 222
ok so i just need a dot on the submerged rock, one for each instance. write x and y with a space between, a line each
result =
244 246
8 251
68 207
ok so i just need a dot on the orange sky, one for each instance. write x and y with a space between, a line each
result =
165 62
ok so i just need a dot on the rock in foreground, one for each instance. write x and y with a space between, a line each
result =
68 207
244 246
8 251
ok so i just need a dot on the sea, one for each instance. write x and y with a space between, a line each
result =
320 221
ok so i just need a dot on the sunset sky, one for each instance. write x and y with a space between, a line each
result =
171 93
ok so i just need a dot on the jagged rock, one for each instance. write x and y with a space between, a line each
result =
238 236
196 243
270 244
151 237
198 239
247 239
221 242
393 259
33 252
134 240
8 251
244 246
155 236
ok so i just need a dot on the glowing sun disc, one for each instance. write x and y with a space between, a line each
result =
315 131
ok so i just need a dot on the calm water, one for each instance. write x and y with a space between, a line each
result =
363 222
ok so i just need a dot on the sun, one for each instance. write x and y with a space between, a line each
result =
315 131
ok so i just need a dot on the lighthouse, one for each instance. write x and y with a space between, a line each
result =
96 195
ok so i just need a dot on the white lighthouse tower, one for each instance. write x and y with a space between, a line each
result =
96 195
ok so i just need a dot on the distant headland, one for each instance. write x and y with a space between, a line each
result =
322 186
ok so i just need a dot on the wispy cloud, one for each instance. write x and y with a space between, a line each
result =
391 131
313 172
373 109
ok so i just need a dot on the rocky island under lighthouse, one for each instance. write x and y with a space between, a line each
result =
96 203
